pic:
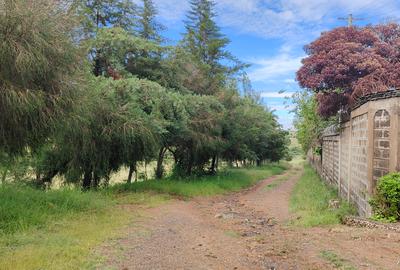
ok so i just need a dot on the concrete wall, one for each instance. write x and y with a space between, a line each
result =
358 152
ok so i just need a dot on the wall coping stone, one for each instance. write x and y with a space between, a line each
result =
332 130
390 93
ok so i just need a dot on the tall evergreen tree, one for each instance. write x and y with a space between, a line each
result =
97 14
148 27
204 38
207 45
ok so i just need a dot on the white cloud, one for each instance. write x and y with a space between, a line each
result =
291 19
277 66
275 94
282 107
290 81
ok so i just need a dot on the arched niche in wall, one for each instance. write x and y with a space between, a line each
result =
381 145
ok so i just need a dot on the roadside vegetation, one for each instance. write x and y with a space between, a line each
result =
386 201
310 202
54 229
225 181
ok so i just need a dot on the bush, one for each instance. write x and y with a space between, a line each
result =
386 202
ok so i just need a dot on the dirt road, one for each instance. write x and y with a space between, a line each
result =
246 230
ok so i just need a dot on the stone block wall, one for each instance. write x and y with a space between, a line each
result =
356 153
344 160
359 163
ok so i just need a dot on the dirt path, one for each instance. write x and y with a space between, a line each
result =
246 230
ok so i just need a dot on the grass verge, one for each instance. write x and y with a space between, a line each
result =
228 181
59 229
310 202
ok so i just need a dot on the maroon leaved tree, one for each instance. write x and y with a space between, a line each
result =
349 62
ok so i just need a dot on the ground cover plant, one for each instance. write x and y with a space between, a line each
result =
310 202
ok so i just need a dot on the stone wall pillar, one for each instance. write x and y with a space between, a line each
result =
381 156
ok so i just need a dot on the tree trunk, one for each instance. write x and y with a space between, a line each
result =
132 169
136 174
145 170
87 180
159 169
190 164
4 176
107 180
38 176
213 165
96 180
258 163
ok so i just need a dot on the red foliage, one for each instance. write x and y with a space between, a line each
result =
352 61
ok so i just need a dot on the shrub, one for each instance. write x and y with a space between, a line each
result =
386 201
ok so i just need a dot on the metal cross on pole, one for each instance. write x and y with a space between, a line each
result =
350 20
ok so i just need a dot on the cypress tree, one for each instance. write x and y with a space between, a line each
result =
148 27
207 46
203 36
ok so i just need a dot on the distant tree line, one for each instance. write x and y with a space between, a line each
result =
87 87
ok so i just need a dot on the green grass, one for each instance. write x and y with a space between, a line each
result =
228 181
336 261
310 202
23 207
232 234
59 229
62 244
277 182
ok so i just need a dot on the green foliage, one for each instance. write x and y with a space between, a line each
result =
310 202
119 53
149 28
252 132
95 14
207 47
386 201
230 180
308 123
117 123
144 102
38 70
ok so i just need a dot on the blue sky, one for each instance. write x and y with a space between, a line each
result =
270 35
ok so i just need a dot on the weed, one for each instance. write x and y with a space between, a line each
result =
336 261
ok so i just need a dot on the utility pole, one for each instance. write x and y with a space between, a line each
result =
350 20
